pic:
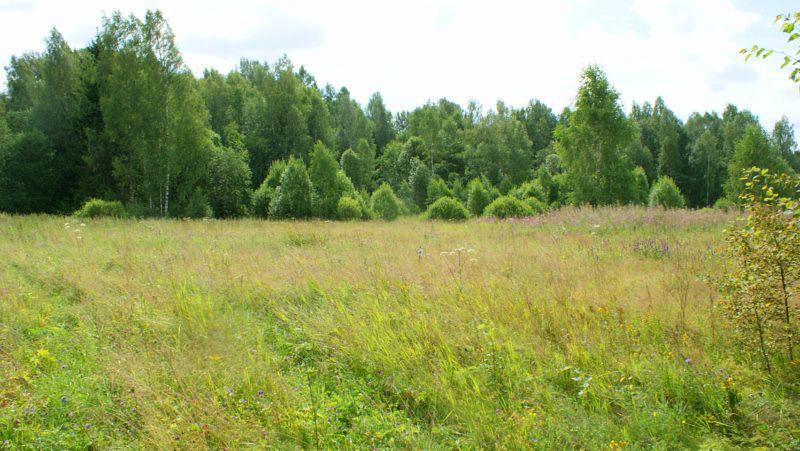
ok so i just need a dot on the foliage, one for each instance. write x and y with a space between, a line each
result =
27 179
642 186
591 145
266 191
536 205
385 203
666 194
508 207
437 188
198 206
752 150
419 180
478 197
447 209
229 192
530 189
348 209
292 198
99 208
328 181
353 167
765 253
789 24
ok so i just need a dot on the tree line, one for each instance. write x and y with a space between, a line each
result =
123 119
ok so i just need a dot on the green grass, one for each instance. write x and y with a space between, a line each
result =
579 328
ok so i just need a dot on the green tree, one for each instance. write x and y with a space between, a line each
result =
418 180
784 142
385 203
27 182
229 186
591 146
665 193
292 199
478 197
353 167
329 182
642 185
383 130
753 150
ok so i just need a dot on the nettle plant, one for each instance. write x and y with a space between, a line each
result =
762 284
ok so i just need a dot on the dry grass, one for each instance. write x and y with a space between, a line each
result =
573 329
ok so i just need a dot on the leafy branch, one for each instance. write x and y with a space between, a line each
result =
790 25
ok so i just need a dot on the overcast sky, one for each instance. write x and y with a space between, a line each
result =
411 51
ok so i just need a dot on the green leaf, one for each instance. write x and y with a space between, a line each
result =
794 36
786 61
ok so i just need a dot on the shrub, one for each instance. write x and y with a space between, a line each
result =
229 192
478 197
448 209
323 171
261 198
765 268
198 206
642 188
530 189
348 209
437 189
666 194
293 198
385 203
536 205
724 204
508 207
418 181
352 166
99 208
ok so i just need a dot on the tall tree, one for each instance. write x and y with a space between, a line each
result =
383 129
785 143
591 146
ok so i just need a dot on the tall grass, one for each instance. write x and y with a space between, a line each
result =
580 328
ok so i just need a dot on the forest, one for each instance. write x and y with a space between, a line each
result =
123 124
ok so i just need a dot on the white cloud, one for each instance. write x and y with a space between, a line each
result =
683 50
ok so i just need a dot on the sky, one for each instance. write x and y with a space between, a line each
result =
413 51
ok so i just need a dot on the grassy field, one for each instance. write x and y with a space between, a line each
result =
580 328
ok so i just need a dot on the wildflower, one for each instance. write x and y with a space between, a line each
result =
261 393
63 400
688 360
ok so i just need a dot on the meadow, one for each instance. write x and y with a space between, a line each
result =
579 328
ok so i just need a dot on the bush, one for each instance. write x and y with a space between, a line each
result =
293 198
385 203
447 209
353 167
437 189
229 192
725 204
536 205
642 188
198 206
99 208
261 198
666 194
530 189
349 209
478 197
508 207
